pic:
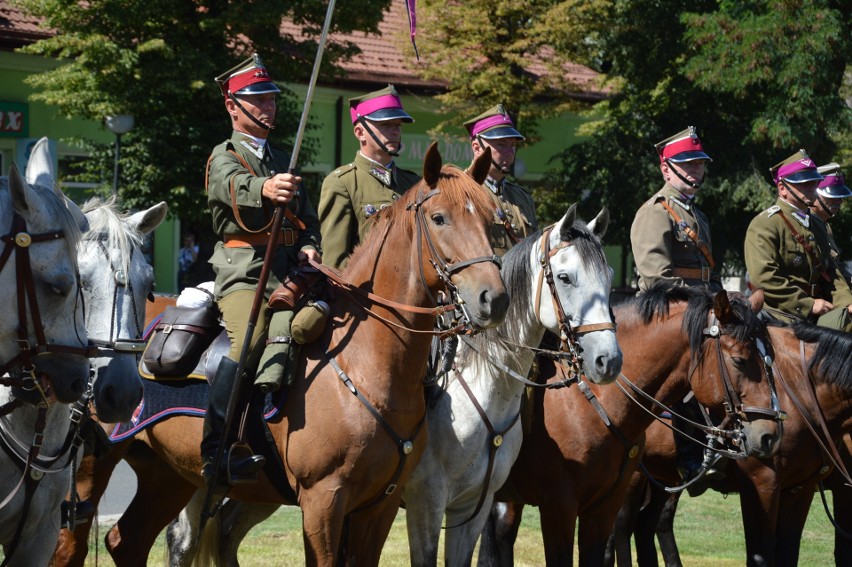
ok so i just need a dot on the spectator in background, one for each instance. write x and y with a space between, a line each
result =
186 258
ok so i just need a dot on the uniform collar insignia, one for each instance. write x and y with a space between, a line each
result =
803 218
380 173
495 186
684 202
253 147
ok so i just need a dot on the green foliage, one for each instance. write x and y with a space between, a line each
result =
759 79
156 60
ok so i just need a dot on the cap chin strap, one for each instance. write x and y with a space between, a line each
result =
247 113
695 185
372 134
804 204
824 206
504 170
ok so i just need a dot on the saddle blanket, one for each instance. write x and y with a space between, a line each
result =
162 399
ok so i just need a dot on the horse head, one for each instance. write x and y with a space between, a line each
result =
733 362
38 277
571 259
116 280
454 217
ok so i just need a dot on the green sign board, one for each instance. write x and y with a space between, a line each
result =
14 120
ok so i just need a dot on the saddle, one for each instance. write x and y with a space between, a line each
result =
192 363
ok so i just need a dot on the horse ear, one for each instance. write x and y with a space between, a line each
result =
481 166
600 223
149 219
722 308
432 164
567 222
40 170
19 190
756 299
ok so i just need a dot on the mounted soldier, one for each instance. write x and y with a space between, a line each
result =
352 194
670 238
831 193
787 252
246 179
514 210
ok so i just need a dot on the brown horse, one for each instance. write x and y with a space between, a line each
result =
574 465
351 430
775 495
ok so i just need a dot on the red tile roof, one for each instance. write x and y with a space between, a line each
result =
18 28
382 59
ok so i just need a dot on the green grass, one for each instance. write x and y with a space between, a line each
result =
708 531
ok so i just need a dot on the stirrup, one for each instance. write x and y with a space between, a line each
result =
242 465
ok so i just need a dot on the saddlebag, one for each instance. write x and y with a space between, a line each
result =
179 340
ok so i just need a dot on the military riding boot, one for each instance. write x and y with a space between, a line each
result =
277 363
235 469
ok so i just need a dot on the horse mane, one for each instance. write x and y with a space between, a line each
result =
655 304
516 277
454 184
107 224
58 208
831 362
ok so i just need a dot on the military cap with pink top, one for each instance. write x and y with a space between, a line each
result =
833 184
682 147
378 106
493 124
796 169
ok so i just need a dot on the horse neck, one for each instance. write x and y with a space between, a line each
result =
835 402
402 349
660 372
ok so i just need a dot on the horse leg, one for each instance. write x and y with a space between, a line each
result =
759 500
661 514
496 546
236 520
618 547
594 530
460 541
792 515
557 530
182 533
842 505
424 512
368 532
93 476
161 493
323 512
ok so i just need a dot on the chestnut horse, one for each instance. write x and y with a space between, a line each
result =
775 496
351 429
574 465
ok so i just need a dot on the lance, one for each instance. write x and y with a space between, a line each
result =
240 384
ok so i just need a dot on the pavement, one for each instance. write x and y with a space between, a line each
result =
119 493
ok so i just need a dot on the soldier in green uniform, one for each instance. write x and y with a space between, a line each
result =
670 236
352 194
246 179
831 193
787 252
514 211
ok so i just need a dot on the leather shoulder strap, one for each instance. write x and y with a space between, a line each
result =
702 246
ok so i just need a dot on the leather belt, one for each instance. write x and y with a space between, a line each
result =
288 237
702 273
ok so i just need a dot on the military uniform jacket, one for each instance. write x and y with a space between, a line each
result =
231 185
780 265
661 248
514 211
350 197
835 251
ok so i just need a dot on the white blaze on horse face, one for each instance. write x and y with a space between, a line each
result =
469 207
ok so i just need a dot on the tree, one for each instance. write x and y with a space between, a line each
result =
156 60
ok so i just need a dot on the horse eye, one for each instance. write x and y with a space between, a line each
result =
438 219
739 361
564 279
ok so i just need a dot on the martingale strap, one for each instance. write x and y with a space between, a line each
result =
702 246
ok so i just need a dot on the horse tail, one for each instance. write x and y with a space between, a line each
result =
207 552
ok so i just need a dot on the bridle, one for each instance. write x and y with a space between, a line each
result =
18 240
122 286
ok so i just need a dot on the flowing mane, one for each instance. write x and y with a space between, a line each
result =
516 275
58 208
107 224
699 301
832 359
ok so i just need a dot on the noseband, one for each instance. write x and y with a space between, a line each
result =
18 240
444 269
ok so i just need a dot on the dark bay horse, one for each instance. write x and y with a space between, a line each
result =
574 466
776 495
346 456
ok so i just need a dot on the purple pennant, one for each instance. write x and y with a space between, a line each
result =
412 23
